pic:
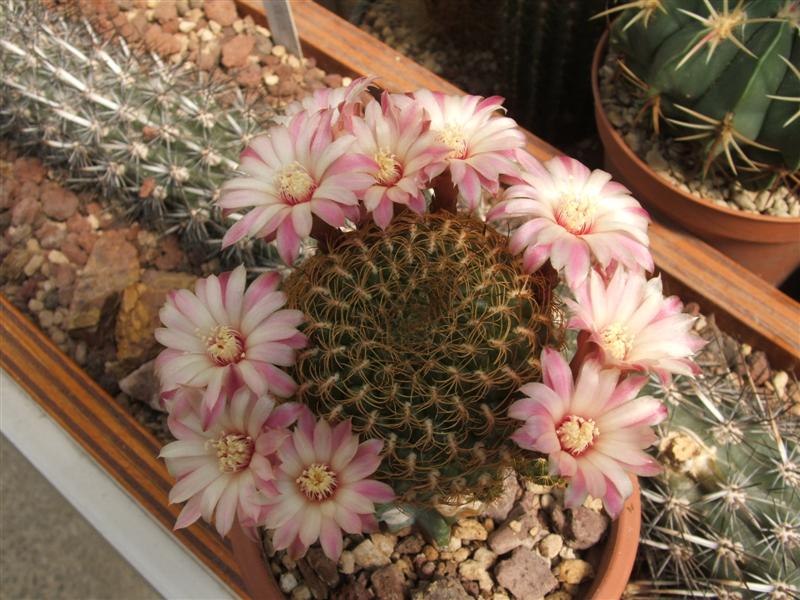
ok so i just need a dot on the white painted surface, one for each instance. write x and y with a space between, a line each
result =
136 535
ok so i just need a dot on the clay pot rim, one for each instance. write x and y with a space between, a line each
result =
634 158
612 573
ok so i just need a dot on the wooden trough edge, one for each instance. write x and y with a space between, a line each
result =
128 452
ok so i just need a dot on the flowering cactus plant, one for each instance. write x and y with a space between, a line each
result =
416 353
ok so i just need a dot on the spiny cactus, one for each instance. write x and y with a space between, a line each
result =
723 74
420 334
158 139
723 521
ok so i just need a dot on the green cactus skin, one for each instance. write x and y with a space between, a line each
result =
158 140
421 334
723 520
733 93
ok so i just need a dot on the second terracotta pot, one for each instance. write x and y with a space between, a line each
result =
768 246
613 569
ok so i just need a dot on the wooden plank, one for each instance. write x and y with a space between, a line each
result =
756 313
108 433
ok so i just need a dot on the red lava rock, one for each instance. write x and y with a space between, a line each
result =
51 234
287 88
58 203
64 275
388 583
170 254
526 574
25 211
758 366
74 253
78 224
8 192
236 50
323 566
585 527
171 27
208 57
29 169
249 76
112 267
502 505
142 384
354 590
159 41
147 187
28 289
221 11
164 11
449 588
85 239
94 208
139 23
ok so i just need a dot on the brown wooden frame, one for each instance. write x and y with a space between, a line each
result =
744 306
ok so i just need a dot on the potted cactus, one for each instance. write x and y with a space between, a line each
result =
711 89
414 356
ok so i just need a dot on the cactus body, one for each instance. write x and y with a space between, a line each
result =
159 140
723 520
420 334
723 74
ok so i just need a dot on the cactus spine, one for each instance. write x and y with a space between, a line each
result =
421 334
722 74
158 139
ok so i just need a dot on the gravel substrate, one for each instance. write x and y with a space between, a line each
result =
680 162
524 546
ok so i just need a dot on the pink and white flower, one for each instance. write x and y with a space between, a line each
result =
342 101
594 430
481 143
633 326
295 172
405 152
220 470
574 215
321 488
222 336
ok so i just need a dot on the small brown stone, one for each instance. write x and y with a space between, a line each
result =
164 11
25 211
58 203
221 11
29 169
236 50
249 76
526 574
323 566
388 583
147 187
51 234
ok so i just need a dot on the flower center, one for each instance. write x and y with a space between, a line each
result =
453 137
617 340
295 184
388 167
234 451
577 434
575 213
317 482
224 346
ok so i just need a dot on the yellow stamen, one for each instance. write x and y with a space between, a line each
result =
577 434
453 137
234 451
317 482
617 340
389 168
295 184
224 345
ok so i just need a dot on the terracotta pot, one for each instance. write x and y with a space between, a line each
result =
768 246
613 568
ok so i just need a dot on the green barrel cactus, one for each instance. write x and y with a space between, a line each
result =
723 520
158 140
720 73
421 334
